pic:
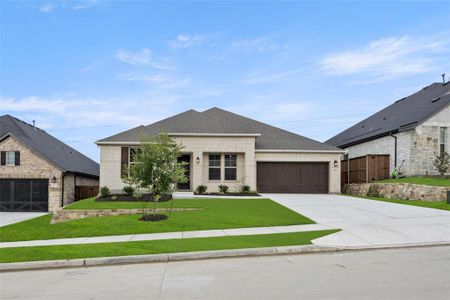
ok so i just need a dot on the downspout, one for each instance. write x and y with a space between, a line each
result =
62 188
395 151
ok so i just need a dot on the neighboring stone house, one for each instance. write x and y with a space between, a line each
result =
413 131
221 147
37 171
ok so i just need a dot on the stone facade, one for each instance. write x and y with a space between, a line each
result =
404 191
201 146
34 166
416 148
64 215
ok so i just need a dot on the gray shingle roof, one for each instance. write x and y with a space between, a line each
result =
219 121
63 156
404 114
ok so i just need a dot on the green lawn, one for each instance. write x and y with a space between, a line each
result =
158 246
435 181
216 214
438 205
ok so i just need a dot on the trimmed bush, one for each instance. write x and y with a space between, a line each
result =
128 190
201 189
245 189
223 188
104 192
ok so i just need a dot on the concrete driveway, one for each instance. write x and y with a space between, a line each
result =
368 222
7 218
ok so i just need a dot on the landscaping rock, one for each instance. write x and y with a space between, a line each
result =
76 214
405 191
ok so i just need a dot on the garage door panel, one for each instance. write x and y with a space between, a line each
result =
23 195
292 177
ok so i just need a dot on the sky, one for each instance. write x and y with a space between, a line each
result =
85 70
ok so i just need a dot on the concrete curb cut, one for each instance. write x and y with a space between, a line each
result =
201 255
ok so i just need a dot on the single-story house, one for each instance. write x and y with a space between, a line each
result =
412 131
39 172
221 147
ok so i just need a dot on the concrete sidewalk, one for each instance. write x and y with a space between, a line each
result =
167 235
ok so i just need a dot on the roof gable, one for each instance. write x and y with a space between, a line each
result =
404 114
61 155
219 121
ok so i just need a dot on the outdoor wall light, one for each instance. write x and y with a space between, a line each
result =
336 163
54 179
197 159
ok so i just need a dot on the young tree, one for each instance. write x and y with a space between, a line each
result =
156 170
441 163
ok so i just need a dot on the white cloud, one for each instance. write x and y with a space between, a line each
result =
387 58
47 8
164 81
85 4
187 41
260 44
138 58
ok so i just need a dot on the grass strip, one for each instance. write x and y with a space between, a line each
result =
216 214
435 204
23 254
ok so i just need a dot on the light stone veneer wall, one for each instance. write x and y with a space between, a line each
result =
418 146
199 147
386 145
334 179
32 166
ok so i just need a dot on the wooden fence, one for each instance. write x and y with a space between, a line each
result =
82 192
365 169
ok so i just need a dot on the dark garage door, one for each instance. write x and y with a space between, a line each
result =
292 177
23 194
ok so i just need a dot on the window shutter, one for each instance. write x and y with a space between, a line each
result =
124 162
3 158
17 158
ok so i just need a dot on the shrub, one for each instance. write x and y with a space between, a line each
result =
441 163
128 190
104 192
201 189
114 198
223 188
245 189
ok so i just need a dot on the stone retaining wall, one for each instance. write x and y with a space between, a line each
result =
406 191
76 214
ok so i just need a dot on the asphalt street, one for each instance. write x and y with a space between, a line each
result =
412 273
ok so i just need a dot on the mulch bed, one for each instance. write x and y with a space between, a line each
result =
228 194
145 197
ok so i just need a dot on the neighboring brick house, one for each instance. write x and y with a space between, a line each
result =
413 131
221 147
38 172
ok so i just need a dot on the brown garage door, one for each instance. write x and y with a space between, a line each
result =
292 177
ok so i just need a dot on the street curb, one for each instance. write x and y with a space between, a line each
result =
201 255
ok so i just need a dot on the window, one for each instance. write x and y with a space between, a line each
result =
442 139
10 158
214 167
230 167
134 153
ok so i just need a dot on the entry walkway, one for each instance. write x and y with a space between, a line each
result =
166 235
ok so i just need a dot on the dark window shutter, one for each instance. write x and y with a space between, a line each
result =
17 158
124 162
3 158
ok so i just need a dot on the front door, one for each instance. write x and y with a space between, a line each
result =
187 171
